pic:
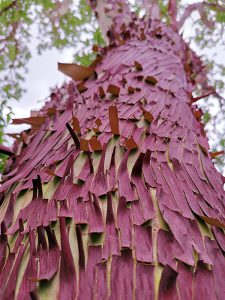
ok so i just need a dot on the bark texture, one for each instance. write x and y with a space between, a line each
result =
112 194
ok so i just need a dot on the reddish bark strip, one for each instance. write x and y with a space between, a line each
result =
101 288
3 245
94 215
184 281
124 223
167 287
75 71
80 247
122 282
111 244
99 183
203 284
48 256
218 268
143 242
113 119
88 277
28 284
144 282
125 188
8 291
68 284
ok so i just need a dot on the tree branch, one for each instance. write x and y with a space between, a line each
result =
8 7
110 13
172 10
152 9
200 8
61 8
12 33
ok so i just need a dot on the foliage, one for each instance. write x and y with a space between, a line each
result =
60 24
66 24
4 120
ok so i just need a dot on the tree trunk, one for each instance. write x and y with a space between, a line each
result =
112 192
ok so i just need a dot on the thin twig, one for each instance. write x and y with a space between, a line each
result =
199 7
8 7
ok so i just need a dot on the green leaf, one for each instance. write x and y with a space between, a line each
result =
220 17
85 59
98 38
206 117
222 143
3 160
12 52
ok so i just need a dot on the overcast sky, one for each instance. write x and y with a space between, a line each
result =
42 75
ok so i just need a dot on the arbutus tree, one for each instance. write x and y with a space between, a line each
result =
112 192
